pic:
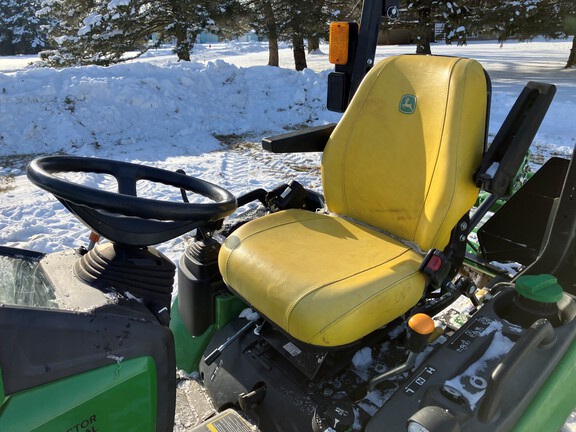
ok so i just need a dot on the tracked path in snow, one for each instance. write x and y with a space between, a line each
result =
247 160
31 218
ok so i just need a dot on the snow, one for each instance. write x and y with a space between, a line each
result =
115 3
363 358
136 107
207 117
249 314
90 21
499 347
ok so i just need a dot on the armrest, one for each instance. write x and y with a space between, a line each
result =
510 145
312 139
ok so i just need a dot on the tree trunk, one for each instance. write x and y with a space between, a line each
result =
183 45
271 33
273 58
299 52
424 31
313 44
572 57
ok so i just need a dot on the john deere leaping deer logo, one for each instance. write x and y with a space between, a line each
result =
407 104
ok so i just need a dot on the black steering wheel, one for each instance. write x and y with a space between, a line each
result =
124 217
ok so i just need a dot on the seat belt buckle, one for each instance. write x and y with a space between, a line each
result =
287 196
436 267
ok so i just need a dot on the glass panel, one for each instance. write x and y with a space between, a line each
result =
23 283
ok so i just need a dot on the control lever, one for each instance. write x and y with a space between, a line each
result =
468 288
211 358
421 327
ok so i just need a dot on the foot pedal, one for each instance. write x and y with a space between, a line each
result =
226 421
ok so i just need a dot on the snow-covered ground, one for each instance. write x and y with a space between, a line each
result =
207 117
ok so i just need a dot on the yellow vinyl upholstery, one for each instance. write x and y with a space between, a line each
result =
399 164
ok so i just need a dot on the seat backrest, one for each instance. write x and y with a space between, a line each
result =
403 156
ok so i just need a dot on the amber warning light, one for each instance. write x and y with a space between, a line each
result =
338 43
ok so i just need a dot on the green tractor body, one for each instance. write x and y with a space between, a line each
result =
326 313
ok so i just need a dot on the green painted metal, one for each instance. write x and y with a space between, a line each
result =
482 196
2 394
119 397
555 400
189 349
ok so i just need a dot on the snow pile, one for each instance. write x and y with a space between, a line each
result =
122 110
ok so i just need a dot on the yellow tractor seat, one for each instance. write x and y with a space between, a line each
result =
397 175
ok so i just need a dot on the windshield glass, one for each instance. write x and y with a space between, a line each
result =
23 283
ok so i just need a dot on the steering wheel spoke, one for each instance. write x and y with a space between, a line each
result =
123 217
126 185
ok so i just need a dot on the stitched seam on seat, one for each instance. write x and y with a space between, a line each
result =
279 225
345 152
311 290
358 306
457 158
422 208
409 244
232 250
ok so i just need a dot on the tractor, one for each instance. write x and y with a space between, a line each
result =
386 303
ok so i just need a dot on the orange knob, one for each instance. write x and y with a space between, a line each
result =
421 324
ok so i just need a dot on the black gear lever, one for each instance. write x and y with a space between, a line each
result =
421 327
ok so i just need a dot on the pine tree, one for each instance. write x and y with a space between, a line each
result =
305 20
262 17
94 31
292 17
513 19
570 28
422 17
295 22
104 32
505 19
20 29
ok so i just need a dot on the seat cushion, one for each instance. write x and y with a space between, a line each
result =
410 173
325 280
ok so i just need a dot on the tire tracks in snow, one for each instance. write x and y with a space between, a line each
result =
247 166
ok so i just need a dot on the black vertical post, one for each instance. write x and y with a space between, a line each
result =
344 81
367 40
